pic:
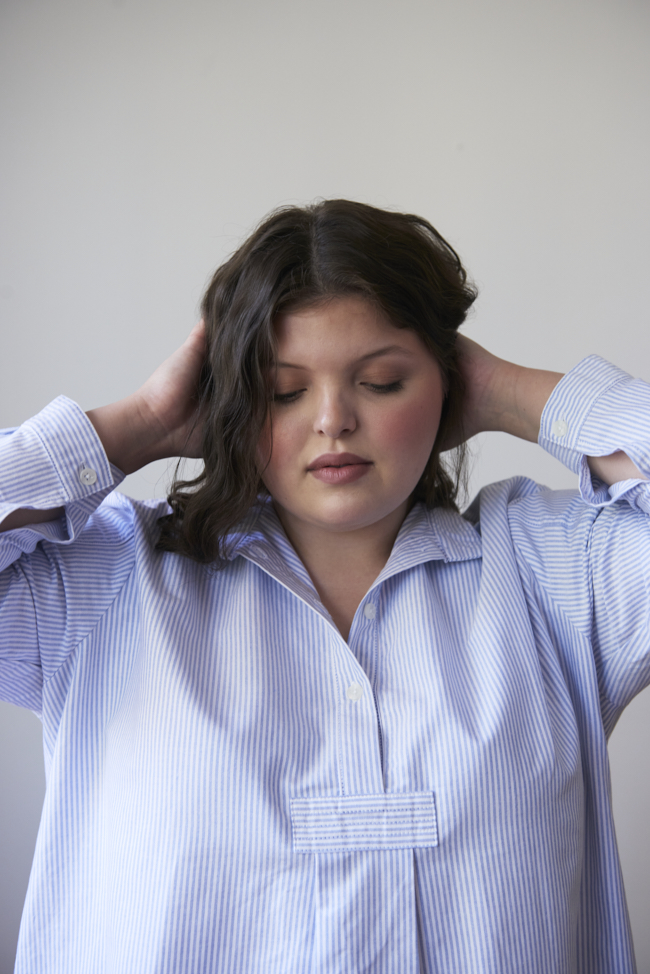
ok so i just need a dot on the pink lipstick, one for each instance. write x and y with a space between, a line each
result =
339 468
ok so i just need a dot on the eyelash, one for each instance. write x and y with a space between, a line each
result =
286 398
390 387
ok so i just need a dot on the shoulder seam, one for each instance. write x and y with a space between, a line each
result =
92 628
536 583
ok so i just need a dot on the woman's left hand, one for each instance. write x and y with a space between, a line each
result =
503 397
499 395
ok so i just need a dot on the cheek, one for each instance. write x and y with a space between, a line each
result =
264 447
275 448
411 429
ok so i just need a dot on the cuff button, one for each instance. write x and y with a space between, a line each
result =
87 476
560 427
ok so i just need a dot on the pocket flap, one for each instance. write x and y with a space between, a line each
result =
364 823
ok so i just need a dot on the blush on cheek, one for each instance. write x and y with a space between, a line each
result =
276 455
411 429
263 452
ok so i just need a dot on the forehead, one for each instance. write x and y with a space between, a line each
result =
344 327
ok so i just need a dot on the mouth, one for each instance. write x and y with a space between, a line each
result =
339 469
337 461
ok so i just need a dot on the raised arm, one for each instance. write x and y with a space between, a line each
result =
509 398
159 420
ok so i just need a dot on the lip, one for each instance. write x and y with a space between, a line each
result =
336 460
339 468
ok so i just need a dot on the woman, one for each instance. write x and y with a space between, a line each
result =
307 717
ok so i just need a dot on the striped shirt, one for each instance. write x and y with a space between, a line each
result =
232 787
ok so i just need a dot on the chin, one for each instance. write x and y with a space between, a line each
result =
352 516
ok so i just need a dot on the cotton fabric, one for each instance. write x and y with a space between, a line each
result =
220 798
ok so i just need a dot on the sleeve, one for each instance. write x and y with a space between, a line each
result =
56 578
595 410
592 552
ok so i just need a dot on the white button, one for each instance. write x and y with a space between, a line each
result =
369 610
560 427
355 692
87 476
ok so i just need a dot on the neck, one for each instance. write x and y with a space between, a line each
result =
343 564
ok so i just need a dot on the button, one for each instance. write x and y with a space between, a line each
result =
560 427
355 692
369 610
87 476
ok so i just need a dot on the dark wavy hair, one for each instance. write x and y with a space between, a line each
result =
298 257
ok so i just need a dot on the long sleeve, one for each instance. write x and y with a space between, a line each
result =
48 599
596 410
591 553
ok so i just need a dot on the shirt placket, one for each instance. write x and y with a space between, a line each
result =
365 898
361 842
363 644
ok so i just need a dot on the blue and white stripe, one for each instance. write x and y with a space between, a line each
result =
234 788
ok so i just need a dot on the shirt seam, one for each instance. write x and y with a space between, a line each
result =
99 619
603 545
339 720
54 464
575 446
521 559
594 403
319 851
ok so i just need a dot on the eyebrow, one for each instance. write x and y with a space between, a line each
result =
388 350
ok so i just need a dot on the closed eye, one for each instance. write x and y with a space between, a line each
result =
286 397
382 389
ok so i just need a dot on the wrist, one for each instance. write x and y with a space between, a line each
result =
519 398
127 438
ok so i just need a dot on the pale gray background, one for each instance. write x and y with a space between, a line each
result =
142 139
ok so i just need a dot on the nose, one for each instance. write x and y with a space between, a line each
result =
335 415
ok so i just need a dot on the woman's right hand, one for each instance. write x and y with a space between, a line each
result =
162 418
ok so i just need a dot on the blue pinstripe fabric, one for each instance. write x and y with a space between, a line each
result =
217 801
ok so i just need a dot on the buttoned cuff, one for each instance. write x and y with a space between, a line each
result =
595 410
55 459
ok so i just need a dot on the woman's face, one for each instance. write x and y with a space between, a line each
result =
355 413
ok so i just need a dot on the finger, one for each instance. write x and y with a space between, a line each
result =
197 336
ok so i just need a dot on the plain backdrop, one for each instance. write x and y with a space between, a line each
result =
142 139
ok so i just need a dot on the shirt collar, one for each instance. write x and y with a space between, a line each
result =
426 535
